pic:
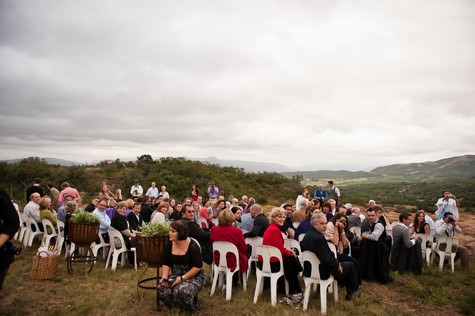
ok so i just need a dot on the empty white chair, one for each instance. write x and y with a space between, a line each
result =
117 247
253 242
451 244
316 279
32 231
47 225
224 247
97 246
268 252
203 223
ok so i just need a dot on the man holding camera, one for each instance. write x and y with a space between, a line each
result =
447 203
9 224
447 227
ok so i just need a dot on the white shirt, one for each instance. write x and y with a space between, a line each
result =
377 231
443 229
136 190
444 206
32 210
165 195
152 192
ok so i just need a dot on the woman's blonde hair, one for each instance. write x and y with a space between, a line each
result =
276 212
43 203
122 204
226 217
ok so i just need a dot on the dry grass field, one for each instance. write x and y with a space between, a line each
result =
103 292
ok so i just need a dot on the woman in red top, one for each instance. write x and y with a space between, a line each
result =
292 267
225 231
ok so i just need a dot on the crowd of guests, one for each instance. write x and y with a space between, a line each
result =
367 246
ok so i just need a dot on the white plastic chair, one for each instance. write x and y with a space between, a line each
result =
102 244
315 279
224 247
426 251
203 223
449 242
21 231
293 244
46 236
268 252
60 239
301 237
253 242
115 251
30 234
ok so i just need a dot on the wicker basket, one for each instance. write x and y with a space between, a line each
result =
151 249
44 268
83 234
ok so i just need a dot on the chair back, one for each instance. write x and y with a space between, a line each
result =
301 237
116 240
223 248
450 242
196 241
294 245
268 252
203 223
47 223
424 238
254 242
332 247
312 258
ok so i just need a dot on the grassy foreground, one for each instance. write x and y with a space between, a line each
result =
104 292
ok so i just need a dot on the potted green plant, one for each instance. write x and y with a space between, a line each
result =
152 242
84 229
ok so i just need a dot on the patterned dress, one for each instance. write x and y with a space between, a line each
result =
184 294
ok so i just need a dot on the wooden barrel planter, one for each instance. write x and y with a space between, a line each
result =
151 249
83 234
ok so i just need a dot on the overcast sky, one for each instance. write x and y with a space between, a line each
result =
321 84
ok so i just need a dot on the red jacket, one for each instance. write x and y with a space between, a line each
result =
233 235
273 237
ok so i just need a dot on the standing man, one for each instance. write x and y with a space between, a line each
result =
136 190
334 192
152 192
67 189
447 203
9 224
213 192
34 188
320 194
163 193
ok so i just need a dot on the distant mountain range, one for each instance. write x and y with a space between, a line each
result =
249 166
50 161
454 168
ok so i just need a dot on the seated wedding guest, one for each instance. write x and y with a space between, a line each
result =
104 219
419 225
196 232
447 227
354 220
159 215
344 272
205 214
70 209
46 212
374 257
92 205
246 223
134 218
32 209
182 271
406 250
175 214
237 212
61 212
305 225
260 222
145 209
292 267
326 209
225 231
288 227
120 223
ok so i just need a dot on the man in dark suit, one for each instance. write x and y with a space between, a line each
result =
260 222
196 232
134 218
344 272
34 188
406 250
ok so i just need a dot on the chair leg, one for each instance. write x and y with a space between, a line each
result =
273 291
335 291
115 259
452 261
441 260
215 281
258 288
229 284
108 258
244 281
323 299
306 296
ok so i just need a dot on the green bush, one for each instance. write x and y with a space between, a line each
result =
85 218
153 229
